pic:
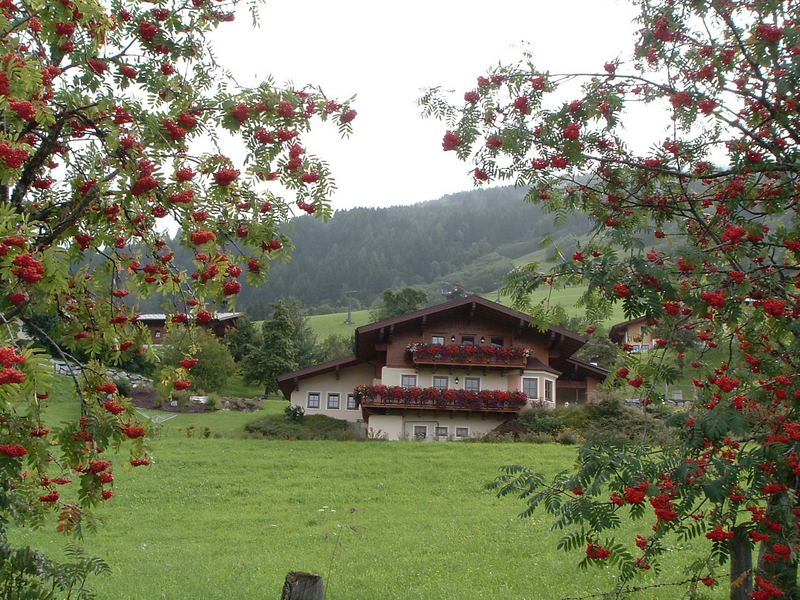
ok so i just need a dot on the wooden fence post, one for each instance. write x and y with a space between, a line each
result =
303 586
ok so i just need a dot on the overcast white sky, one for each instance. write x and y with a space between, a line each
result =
387 52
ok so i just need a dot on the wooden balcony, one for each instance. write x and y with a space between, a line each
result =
380 396
466 361
467 355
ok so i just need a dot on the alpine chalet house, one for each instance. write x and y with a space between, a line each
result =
450 371
220 324
634 333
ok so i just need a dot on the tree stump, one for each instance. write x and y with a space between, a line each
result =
303 586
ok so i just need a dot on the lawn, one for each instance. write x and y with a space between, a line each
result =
227 518
62 407
220 518
334 323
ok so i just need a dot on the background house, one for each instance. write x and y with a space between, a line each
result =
635 333
453 370
219 325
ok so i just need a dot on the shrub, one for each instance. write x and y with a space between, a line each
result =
123 386
612 421
294 413
569 437
216 363
539 419
312 427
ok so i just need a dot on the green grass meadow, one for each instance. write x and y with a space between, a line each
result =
334 323
228 517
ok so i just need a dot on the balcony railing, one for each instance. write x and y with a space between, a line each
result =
435 399
467 354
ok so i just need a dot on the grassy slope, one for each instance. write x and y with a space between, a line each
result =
325 325
223 518
220 518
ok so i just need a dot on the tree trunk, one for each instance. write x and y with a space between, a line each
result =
741 564
303 586
782 574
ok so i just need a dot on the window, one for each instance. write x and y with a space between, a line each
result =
333 401
420 432
407 381
437 339
440 382
530 386
441 431
637 348
467 340
548 390
496 341
157 334
313 400
472 384
462 432
351 402
645 347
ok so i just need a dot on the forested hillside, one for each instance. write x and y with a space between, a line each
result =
468 238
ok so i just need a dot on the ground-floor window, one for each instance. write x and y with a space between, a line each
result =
530 387
442 431
420 432
313 400
548 390
333 401
351 402
462 432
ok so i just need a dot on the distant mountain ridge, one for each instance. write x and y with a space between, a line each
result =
468 238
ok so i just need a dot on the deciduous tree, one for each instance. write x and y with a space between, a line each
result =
398 302
116 122
718 188
200 352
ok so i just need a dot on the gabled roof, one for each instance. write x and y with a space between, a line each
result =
287 381
617 332
220 316
534 364
590 368
367 335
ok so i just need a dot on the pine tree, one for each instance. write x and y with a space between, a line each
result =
277 353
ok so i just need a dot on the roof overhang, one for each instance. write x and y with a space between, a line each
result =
287 382
367 336
617 332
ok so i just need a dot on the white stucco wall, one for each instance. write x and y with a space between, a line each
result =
326 384
397 426
493 380
390 426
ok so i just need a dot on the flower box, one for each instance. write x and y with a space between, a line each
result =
434 398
